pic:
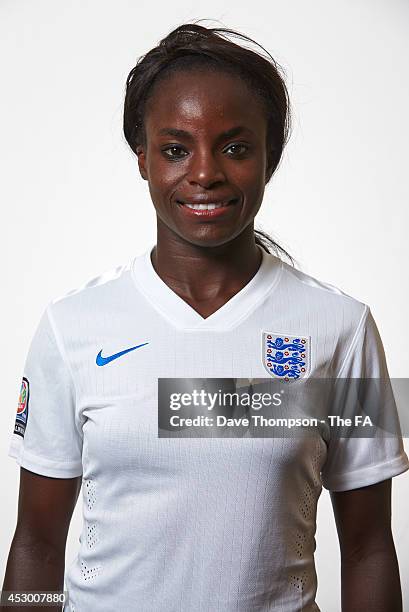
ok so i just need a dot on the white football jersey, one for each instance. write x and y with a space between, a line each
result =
196 523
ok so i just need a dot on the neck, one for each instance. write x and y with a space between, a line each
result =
204 273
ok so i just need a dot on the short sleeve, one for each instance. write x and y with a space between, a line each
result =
354 462
46 438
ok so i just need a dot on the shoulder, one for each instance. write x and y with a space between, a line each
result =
335 320
102 293
321 296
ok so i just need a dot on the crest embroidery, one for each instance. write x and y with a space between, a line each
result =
286 357
22 408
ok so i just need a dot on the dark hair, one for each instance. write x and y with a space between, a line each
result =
192 46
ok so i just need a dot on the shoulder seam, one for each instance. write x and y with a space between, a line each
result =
354 340
331 289
91 283
61 349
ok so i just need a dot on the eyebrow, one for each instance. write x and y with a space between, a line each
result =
188 136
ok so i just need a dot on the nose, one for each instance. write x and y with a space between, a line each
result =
205 170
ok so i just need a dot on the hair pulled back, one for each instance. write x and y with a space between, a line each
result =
191 47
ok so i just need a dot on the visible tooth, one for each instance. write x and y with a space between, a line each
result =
204 206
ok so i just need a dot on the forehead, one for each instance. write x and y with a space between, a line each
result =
203 99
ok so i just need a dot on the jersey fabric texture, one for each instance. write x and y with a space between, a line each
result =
192 524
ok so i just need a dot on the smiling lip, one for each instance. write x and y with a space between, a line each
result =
223 207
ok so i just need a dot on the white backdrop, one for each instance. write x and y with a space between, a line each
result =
73 204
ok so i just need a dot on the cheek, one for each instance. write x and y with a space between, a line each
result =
251 178
163 177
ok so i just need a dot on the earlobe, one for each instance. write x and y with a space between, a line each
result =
141 162
267 174
270 169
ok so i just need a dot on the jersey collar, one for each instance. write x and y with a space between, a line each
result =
181 315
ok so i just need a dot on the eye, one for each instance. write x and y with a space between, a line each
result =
237 149
174 152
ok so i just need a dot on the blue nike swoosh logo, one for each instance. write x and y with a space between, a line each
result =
101 361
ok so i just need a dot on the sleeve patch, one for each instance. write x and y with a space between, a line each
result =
22 408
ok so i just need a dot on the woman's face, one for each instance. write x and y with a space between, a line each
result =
205 143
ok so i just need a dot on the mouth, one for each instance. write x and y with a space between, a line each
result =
208 209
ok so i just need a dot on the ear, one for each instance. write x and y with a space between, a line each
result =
270 168
140 152
268 174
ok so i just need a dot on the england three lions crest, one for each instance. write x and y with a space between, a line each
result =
286 357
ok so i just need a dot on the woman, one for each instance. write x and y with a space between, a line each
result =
181 522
